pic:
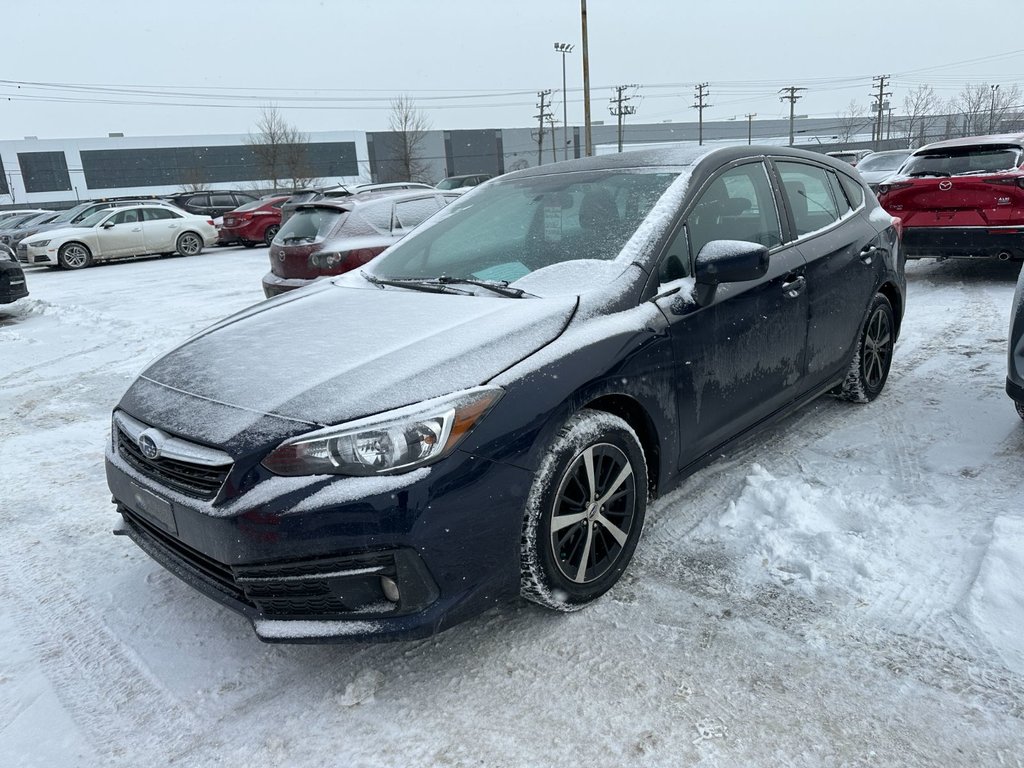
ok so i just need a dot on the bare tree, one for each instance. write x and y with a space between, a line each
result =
983 108
919 106
410 127
280 151
194 181
852 121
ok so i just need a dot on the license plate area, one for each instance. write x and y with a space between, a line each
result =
155 509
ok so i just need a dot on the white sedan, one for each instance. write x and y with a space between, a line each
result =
115 233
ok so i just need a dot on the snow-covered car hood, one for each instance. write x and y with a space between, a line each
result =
330 354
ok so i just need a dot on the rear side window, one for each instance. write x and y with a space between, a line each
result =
222 201
838 195
412 213
197 200
809 196
159 214
854 191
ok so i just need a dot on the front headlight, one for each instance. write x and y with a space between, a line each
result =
396 441
39 243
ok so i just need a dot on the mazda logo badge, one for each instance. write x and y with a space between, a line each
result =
149 444
945 186
280 255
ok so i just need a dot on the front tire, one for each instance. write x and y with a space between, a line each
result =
1020 409
189 244
585 512
74 256
869 369
270 233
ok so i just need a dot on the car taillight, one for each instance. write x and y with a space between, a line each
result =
210 222
884 189
1015 181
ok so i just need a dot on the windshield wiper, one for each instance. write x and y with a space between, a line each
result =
928 173
428 286
500 287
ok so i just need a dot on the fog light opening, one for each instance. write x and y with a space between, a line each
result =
390 589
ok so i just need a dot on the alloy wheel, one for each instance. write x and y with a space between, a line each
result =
593 513
877 350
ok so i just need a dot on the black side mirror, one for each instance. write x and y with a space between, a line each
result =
728 261
108 224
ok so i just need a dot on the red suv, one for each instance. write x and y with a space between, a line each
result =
253 223
328 237
962 198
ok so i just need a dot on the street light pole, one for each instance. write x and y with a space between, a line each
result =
564 48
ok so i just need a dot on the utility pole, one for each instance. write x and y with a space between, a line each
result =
750 119
542 116
883 81
586 81
554 143
620 108
791 96
700 93
992 109
564 48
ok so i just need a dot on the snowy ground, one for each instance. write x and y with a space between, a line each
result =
845 590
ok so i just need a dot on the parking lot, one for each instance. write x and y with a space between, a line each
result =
836 591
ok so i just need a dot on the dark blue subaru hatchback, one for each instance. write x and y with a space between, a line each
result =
485 410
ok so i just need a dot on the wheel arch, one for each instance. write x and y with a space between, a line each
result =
636 416
895 297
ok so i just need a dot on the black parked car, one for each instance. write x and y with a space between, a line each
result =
1015 352
484 410
212 204
12 277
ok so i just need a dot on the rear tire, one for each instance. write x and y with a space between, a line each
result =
1020 409
869 368
189 244
247 243
585 512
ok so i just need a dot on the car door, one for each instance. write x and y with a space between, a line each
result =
840 247
220 203
739 356
160 228
121 233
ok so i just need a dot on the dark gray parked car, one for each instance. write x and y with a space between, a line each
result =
12 277
1015 353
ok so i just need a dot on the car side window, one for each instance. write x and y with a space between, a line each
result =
129 216
838 194
222 201
737 205
158 214
809 196
410 213
675 263
854 191
198 200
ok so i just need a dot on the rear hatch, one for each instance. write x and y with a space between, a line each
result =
967 186
302 236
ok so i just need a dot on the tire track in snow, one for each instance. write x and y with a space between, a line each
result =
104 687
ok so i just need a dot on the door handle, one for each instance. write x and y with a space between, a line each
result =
867 252
137 229
792 288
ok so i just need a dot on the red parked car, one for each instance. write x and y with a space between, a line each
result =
329 237
253 223
962 198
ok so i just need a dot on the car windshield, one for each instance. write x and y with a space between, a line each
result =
309 225
963 160
70 214
882 162
16 221
514 227
95 218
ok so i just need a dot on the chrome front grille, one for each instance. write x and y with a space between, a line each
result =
188 468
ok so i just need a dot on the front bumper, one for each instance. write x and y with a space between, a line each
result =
963 242
28 255
448 542
12 286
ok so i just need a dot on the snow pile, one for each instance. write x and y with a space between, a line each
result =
809 538
995 603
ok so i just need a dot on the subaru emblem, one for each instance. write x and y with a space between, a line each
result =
148 445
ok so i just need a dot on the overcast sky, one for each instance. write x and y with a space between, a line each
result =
185 67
